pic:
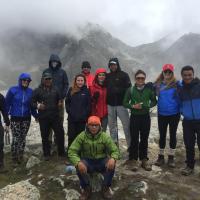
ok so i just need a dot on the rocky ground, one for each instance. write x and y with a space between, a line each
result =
36 179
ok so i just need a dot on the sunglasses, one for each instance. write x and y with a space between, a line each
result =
101 74
48 79
26 80
140 78
94 125
167 72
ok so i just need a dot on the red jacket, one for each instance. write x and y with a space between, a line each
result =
89 79
99 107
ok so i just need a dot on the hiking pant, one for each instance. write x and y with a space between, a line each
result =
191 130
19 129
96 165
139 129
51 134
122 113
163 122
104 123
53 123
1 144
74 128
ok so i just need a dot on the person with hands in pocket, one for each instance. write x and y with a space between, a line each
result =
139 99
98 93
93 150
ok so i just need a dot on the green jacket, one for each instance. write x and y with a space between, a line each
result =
93 147
133 96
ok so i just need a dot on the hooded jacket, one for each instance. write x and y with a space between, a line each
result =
93 147
78 105
60 80
18 100
99 106
4 111
190 100
116 83
50 98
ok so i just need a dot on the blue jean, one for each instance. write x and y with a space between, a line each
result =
96 165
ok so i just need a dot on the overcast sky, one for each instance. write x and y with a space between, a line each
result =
133 21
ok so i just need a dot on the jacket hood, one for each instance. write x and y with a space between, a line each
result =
55 58
23 76
112 60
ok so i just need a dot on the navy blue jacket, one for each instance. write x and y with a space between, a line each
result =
190 100
78 105
18 100
60 80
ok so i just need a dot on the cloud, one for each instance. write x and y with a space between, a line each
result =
135 22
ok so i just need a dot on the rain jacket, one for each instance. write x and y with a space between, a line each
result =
99 106
91 146
18 100
60 80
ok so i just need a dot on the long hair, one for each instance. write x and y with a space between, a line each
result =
160 79
75 88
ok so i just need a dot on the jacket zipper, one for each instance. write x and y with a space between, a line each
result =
192 106
23 104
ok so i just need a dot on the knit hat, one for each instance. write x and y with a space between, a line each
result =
46 75
94 120
168 67
85 64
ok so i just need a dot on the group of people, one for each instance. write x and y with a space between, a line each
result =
94 102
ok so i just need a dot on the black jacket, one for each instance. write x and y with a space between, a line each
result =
78 105
4 111
49 98
116 83
59 75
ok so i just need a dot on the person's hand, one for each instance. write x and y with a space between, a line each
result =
41 106
82 168
110 165
137 106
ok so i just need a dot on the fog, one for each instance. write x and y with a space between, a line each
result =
134 22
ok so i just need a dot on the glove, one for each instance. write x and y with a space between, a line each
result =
96 95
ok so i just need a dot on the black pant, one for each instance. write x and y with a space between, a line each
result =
163 122
45 126
1 144
74 128
191 129
139 130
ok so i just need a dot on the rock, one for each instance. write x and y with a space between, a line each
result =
138 187
96 180
156 169
58 180
32 161
71 194
73 178
22 190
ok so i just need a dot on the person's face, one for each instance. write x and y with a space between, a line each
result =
86 70
113 67
167 74
187 76
25 82
80 82
140 79
54 64
94 128
101 77
48 82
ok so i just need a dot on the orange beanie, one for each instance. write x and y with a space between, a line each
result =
94 120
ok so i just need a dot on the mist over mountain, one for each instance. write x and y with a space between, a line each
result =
23 50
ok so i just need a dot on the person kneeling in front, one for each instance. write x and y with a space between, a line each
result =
94 151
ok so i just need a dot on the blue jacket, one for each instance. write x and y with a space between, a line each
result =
60 80
168 100
78 105
18 100
190 100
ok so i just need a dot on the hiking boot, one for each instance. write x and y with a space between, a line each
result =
160 161
145 165
187 171
171 162
134 165
86 193
107 192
